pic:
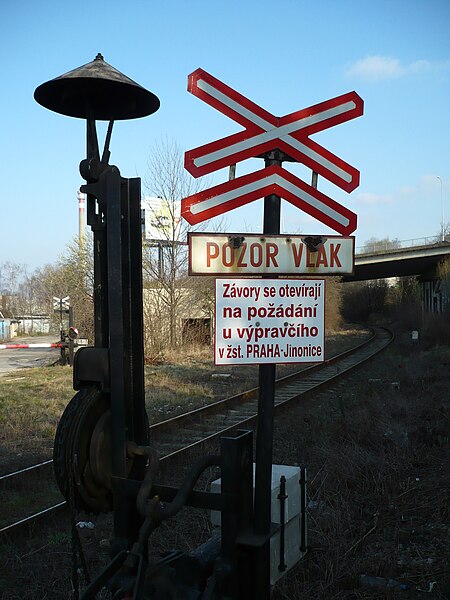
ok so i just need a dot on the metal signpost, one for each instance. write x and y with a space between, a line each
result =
275 140
62 305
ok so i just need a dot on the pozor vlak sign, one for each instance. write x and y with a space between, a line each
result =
269 321
253 254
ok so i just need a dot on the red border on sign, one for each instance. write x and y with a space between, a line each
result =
270 187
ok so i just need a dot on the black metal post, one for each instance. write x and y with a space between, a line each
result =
126 351
119 326
282 497
96 219
131 189
264 435
62 353
237 482
71 342
119 377
303 482
62 350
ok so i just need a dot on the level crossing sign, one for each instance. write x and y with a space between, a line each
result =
262 133
61 303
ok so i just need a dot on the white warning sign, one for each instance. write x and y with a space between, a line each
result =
255 254
269 321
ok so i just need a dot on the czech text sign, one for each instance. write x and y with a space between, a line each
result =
269 321
254 254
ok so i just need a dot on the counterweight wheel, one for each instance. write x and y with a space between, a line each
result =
83 434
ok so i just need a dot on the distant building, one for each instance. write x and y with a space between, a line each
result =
32 324
5 326
161 219
14 321
8 324
193 315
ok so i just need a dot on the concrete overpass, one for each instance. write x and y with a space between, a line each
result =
421 259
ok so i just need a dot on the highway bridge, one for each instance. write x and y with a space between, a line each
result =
421 257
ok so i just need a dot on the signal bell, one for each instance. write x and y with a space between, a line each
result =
97 91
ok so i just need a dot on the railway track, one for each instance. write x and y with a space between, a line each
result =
176 435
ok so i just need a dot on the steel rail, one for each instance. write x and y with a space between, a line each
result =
252 393
238 411
211 408
32 518
288 389
40 465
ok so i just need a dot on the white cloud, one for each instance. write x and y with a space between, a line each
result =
378 68
424 189
375 68
370 198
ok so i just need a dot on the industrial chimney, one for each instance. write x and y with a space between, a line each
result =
81 221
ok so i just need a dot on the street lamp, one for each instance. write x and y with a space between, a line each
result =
442 213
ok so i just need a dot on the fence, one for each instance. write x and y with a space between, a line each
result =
396 244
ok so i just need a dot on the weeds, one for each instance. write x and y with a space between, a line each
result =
378 459
378 462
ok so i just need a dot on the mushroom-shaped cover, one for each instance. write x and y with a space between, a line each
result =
98 91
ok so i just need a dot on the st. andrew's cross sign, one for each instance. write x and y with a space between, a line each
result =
264 132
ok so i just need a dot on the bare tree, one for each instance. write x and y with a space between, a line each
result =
11 276
71 276
165 256
376 245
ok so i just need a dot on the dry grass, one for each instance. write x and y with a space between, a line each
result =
31 403
378 461
32 400
378 458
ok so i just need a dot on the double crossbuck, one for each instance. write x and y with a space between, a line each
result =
61 303
264 132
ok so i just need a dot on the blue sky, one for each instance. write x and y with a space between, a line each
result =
283 55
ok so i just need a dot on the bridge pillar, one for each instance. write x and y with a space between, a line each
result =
431 296
435 288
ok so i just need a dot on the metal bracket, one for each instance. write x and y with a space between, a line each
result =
313 243
91 366
236 241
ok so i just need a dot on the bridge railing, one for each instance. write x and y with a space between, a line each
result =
396 244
